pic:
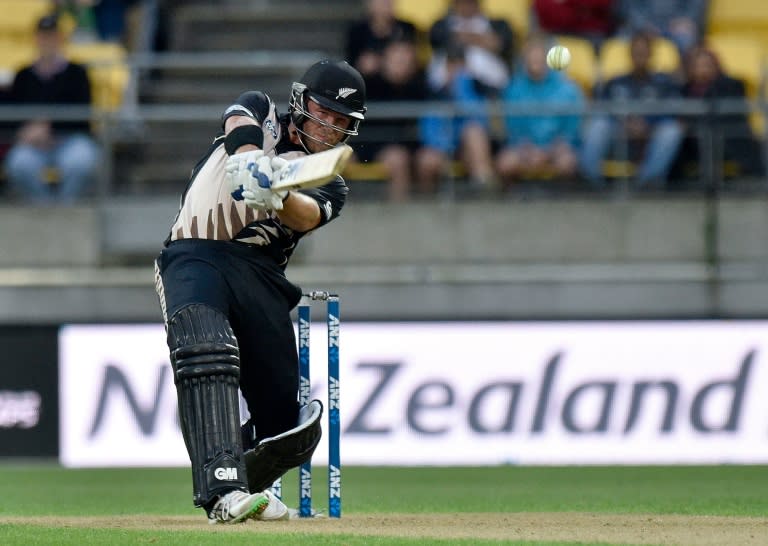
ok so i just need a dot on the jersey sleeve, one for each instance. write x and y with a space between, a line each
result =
254 104
259 107
330 197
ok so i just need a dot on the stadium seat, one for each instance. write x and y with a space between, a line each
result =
13 57
107 69
371 171
583 67
20 16
742 57
96 52
374 171
616 168
422 13
614 58
106 63
737 16
745 18
516 12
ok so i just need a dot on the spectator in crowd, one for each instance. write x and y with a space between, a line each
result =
464 136
682 21
107 19
366 39
705 79
546 142
42 144
401 78
77 20
112 19
658 135
488 45
594 20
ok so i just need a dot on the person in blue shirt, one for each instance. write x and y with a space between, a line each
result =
545 142
653 140
460 132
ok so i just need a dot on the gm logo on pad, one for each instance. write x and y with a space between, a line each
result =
225 473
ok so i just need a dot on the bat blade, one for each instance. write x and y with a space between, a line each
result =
313 170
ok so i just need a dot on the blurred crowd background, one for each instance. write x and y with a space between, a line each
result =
660 96
485 185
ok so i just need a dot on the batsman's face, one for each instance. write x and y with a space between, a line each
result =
324 131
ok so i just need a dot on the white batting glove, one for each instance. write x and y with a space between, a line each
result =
237 171
250 176
258 193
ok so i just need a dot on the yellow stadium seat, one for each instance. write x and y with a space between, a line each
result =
96 52
13 57
583 67
107 69
736 15
374 171
20 17
740 57
365 171
743 58
516 12
422 13
747 18
617 168
758 35
614 59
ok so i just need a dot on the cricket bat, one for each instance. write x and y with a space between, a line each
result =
313 170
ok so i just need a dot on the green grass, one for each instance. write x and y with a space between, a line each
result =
16 534
718 490
726 490
55 537
49 490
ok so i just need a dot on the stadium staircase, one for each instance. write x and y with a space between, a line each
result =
216 51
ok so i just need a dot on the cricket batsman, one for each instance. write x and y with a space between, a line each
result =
226 301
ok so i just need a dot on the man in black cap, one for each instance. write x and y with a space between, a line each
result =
44 143
226 301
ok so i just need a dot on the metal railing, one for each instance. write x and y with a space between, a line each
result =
110 127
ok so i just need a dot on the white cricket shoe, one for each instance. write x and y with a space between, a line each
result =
275 509
237 506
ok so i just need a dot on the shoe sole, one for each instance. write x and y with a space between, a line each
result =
282 517
258 506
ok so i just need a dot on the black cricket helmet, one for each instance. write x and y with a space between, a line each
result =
335 85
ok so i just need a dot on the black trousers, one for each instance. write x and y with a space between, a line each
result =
257 298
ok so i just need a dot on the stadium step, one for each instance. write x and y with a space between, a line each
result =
223 27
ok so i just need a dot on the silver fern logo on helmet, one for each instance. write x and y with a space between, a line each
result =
344 92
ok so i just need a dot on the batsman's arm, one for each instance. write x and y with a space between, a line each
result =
300 212
233 123
241 122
